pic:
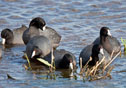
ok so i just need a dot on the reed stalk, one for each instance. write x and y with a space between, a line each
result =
111 61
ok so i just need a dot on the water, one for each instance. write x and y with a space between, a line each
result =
78 22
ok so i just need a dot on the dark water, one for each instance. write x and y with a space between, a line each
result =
78 21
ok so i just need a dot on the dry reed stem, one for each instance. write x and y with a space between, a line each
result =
112 54
52 60
81 69
110 69
85 66
96 66
80 62
120 53
104 76
98 78
111 61
90 73
88 62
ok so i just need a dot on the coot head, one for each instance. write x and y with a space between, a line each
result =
7 36
36 52
67 62
105 31
38 22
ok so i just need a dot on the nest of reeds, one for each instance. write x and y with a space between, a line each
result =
100 70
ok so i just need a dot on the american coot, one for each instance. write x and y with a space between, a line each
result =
13 37
38 46
63 59
38 27
96 52
109 43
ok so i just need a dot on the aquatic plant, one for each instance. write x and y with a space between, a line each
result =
99 71
50 73
29 64
39 59
124 44
52 65
45 62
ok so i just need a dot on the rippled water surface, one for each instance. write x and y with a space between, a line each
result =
78 22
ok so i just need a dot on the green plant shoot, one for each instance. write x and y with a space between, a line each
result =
124 44
45 62
28 60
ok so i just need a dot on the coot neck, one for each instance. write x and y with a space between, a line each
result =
102 39
10 39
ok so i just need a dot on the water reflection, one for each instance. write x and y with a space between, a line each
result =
38 69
